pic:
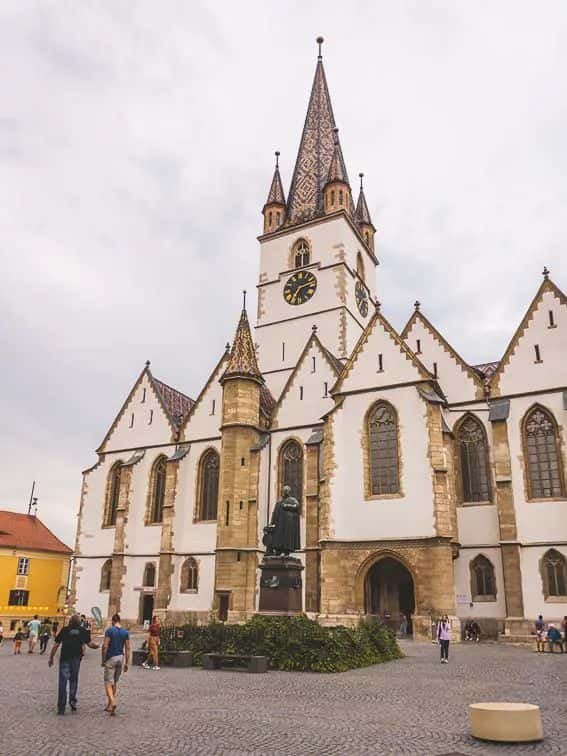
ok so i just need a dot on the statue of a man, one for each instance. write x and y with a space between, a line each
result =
282 535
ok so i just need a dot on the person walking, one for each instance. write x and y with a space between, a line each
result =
44 633
1 633
443 637
72 640
403 625
540 634
115 656
33 633
18 638
153 645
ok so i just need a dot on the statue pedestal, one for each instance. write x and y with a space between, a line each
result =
280 586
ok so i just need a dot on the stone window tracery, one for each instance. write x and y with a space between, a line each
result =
158 490
383 450
543 464
149 575
105 575
473 451
113 494
554 568
189 575
482 579
208 485
301 253
291 469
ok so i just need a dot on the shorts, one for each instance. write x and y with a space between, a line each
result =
113 669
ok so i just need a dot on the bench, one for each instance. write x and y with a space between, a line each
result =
506 722
251 663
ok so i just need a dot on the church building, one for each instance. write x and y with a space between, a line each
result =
427 485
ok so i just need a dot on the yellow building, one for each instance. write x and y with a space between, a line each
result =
34 570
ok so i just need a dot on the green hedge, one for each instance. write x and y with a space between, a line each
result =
290 643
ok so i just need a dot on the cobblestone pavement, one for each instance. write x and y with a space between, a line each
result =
411 706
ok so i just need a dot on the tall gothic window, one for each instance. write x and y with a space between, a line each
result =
105 575
291 468
474 460
482 579
113 494
543 463
158 489
208 485
149 575
189 575
383 450
301 253
554 569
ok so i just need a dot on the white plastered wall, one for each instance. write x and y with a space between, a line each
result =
408 516
534 602
456 383
463 585
88 586
523 373
206 416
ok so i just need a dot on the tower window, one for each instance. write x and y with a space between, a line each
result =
326 385
340 196
151 417
132 420
537 353
278 217
418 349
283 351
301 253
367 237
380 364
143 395
314 362
332 197
435 370
213 405
270 218
227 516
359 267
301 392
551 320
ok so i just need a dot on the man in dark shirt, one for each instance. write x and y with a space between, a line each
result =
72 639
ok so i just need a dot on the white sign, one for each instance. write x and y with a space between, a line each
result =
462 598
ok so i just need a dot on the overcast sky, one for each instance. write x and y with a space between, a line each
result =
136 152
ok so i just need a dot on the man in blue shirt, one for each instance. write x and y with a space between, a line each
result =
554 638
115 655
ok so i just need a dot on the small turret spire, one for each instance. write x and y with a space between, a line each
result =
242 362
274 209
362 217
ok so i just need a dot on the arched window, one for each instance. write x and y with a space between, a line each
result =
543 463
291 469
105 575
367 238
158 489
113 494
554 574
208 485
149 575
301 253
473 452
359 267
189 575
383 450
483 583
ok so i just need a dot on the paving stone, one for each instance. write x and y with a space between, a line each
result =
412 706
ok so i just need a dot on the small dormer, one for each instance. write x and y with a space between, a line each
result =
336 193
274 209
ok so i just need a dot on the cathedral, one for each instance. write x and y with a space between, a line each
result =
427 485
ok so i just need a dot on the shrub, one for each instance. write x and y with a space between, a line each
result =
290 643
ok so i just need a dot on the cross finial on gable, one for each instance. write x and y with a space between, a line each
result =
417 304
377 305
147 363
545 273
314 328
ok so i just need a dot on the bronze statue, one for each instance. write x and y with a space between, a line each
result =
281 537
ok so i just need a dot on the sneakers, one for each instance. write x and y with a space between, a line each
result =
145 665
155 667
73 708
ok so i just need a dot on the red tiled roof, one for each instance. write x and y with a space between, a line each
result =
267 401
177 404
20 531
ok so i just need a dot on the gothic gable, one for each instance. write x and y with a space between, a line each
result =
381 358
306 397
535 357
459 381
144 418
205 417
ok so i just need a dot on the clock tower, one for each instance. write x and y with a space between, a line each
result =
317 261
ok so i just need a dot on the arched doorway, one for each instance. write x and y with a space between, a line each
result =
389 593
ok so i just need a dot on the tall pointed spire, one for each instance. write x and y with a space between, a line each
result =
242 362
316 151
276 194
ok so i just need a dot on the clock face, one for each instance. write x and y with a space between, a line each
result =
300 287
361 299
